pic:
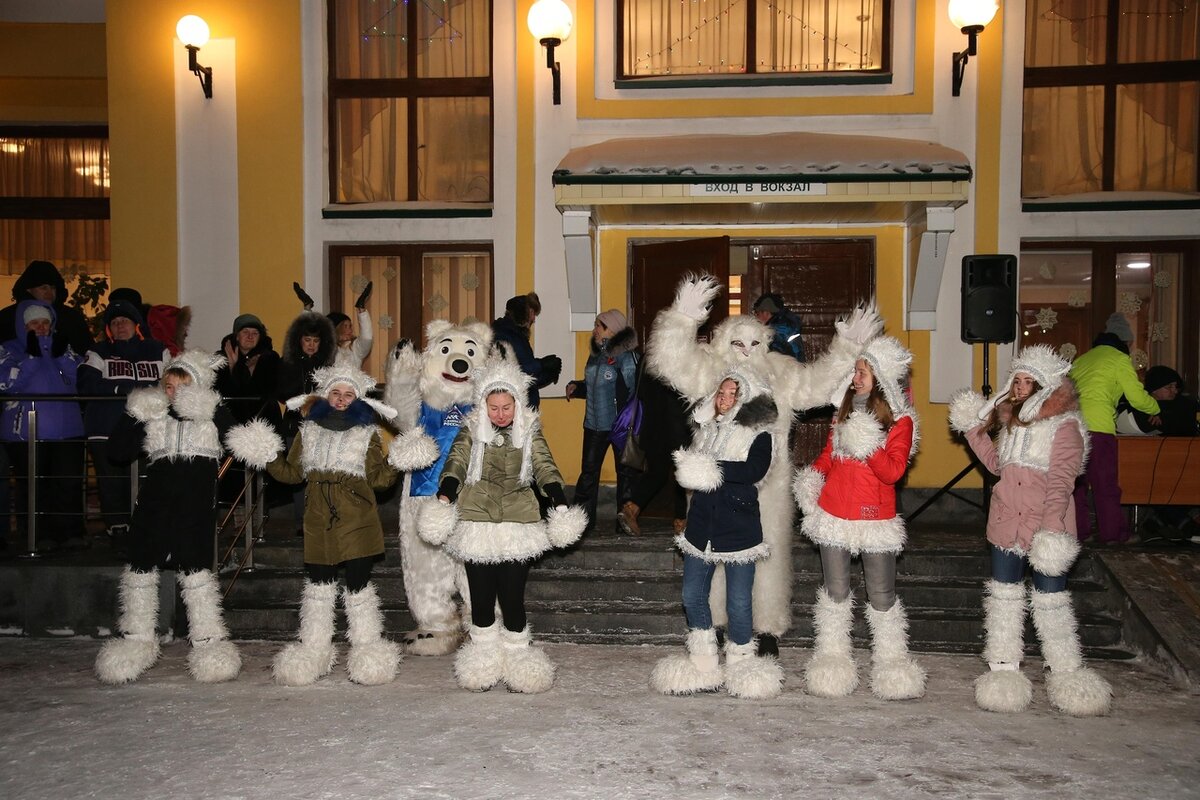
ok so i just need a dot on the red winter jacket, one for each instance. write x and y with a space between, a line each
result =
861 490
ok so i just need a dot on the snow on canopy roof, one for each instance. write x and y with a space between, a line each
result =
824 157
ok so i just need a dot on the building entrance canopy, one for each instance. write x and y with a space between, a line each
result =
778 178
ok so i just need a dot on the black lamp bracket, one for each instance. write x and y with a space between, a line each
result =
552 65
201 72
960 59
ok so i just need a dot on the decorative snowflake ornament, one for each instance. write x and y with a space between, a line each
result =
389 274
1068 351
470 281
1139 358
1162 280
1158 332
1077 298
1047 318
358 283
1129 303
437 303
1047 271
385 321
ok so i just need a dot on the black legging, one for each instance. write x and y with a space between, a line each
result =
358 572
504 582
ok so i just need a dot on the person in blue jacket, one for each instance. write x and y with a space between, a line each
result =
770 310
512 330
127 359
39 360
609 380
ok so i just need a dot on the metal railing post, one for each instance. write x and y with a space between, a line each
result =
31 483
251 505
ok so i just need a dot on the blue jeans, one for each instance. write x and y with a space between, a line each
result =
739 596
1010 568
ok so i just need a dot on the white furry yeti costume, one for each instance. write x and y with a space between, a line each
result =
1038 457
693 368
432 393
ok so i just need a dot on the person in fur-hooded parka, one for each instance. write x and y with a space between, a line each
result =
338 451
488 516
177 425
1040 449
609 380
730 454
848 497
693 368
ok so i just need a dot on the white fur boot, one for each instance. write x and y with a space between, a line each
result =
750 676
373 659
894 674
479 664
301 663
697 671
213 657
527 669
831 671
1003 688
125 659
1073 688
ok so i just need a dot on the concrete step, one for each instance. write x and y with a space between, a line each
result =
660 622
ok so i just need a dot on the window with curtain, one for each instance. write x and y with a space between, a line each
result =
822 40
410 101
414 285
1067 292
54 199
1112 97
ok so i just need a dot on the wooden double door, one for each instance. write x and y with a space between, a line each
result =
821 280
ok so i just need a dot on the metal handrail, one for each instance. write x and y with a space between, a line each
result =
251 526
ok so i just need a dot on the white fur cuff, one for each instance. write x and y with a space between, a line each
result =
565 524
699 472
255 444
806 488
195 403
1053 552
412 450
965 405
436 521
860 435
147 404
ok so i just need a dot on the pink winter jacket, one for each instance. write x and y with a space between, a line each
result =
1027 498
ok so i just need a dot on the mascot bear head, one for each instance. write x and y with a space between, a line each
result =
452 353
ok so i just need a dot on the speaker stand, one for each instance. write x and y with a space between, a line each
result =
988 479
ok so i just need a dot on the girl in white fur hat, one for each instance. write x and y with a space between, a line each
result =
848 497
489 518
177 426
1040 448
726 464
338 451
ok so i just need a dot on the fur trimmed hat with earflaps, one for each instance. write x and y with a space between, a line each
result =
201 365
328 377
889 362
1045 366
501 374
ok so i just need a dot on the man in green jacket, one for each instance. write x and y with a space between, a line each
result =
1102 375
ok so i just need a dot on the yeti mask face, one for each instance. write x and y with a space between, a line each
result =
744 339
452 355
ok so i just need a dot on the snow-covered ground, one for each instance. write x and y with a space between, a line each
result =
600 733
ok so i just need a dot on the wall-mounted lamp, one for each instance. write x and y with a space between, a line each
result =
969 16
193 32
550 23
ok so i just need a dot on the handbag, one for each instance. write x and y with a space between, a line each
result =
628 426
632 455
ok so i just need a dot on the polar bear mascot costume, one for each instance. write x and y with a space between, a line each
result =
741 342
431 390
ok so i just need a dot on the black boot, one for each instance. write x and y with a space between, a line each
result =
768 645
